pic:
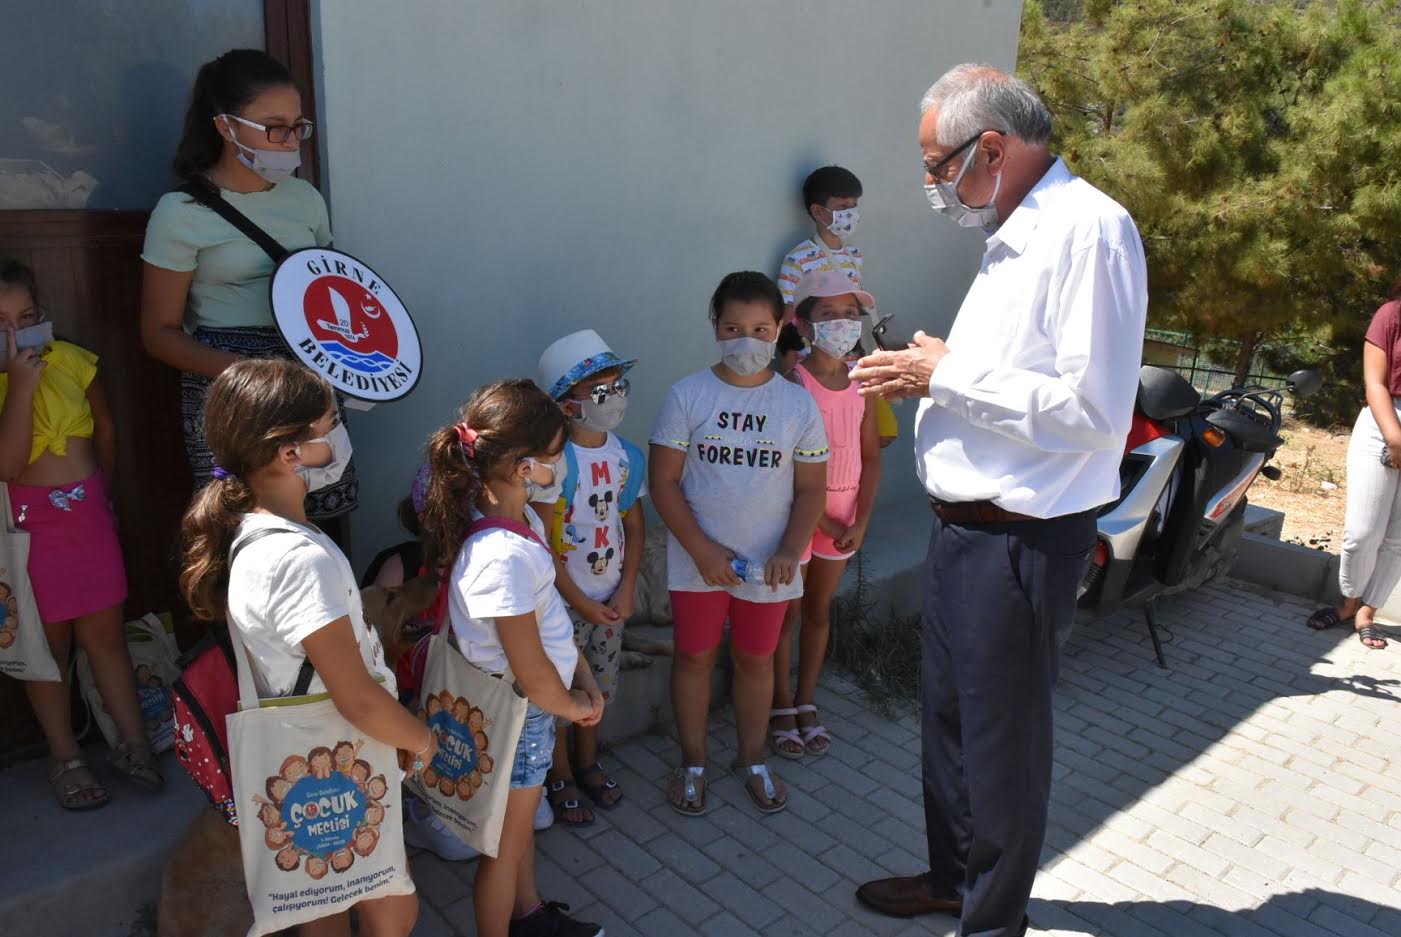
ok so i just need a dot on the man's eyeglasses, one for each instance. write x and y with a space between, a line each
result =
933 171
279 133
602 392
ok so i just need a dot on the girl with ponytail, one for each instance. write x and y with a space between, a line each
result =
505 450
250 556
205 298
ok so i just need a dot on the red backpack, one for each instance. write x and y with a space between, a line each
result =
205 694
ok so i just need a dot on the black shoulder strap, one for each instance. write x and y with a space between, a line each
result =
211 199
307 672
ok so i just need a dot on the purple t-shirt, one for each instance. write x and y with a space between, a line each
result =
1385 333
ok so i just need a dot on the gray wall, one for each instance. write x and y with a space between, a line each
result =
520 170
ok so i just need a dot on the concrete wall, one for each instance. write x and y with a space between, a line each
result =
520 170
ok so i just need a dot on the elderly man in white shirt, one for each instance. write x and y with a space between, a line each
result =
1018 440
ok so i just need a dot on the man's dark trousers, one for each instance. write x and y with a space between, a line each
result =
995 599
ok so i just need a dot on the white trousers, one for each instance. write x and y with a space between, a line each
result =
1371 562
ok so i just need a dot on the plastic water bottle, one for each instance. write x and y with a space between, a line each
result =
748 571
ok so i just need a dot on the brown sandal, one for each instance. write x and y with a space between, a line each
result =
137 761
73 783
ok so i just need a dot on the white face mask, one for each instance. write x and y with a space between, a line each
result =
273 165
837 337
34 336
746 356
321 476
547 493
844 222
943 198
602 417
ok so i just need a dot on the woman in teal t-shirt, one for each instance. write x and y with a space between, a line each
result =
205 293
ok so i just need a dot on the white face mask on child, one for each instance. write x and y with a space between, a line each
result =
602 417
837 337
322 476
548 493
746 356
844 222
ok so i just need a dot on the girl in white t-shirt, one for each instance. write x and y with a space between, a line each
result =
505 450
738 473
289 591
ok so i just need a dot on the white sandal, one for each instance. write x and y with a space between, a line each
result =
693 777
775 803
779 736
812 733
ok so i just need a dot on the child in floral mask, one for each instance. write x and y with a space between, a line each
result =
828 316
596 532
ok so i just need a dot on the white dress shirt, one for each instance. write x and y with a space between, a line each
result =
1031 407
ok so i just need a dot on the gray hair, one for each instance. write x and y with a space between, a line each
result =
973 98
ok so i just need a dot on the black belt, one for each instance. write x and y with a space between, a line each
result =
975 512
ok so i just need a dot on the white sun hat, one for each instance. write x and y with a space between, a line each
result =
575 357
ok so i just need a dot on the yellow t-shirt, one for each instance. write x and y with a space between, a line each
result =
61 400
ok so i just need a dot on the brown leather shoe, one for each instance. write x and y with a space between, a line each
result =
906 897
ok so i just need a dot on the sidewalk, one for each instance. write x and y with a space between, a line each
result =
1248 791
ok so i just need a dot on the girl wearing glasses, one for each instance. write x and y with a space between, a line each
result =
205 295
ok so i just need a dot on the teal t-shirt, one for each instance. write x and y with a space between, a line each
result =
230 285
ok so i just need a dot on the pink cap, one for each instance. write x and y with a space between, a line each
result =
831 283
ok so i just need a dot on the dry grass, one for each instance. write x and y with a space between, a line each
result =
1311 459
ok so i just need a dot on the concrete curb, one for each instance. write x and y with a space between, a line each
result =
1288 568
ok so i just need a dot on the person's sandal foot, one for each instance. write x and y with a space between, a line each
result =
784 739
911 896
137 762
1372 638
767 795
817 741
1324 618
565 799
598 786
75 787
687 795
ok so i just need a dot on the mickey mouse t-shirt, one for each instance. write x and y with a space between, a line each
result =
740 444
593 526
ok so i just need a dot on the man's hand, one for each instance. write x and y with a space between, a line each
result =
898 374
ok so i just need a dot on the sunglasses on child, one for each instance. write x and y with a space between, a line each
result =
602 392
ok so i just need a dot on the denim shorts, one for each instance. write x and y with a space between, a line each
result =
535 752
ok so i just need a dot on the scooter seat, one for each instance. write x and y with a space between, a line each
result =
1165 395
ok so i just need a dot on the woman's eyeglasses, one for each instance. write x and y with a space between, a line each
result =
279 133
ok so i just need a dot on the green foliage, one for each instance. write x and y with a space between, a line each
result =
1256 144
881 652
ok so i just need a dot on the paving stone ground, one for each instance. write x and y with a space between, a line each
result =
1249 790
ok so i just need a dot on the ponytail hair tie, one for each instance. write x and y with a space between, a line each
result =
468 437
222 473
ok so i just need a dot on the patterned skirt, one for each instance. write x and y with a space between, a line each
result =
324 503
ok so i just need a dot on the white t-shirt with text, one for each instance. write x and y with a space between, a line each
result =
593 524
741 444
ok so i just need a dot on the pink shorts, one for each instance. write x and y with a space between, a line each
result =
841 505
75 559
700 622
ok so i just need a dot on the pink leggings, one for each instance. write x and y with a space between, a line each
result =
700 622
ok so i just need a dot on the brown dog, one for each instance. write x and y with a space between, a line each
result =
202 890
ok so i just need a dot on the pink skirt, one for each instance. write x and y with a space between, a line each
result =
75 559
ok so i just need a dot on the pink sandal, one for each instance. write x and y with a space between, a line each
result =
779 736
812 733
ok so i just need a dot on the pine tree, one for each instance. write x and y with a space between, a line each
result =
1256 144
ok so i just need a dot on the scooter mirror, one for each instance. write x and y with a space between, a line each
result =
1305 383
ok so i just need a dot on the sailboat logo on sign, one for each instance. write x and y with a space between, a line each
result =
343 321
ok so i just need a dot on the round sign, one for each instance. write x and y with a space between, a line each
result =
343 321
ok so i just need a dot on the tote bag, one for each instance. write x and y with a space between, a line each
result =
153 663
24 648
478 720
321 826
